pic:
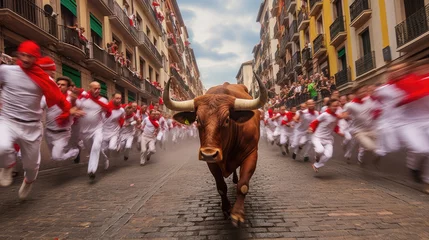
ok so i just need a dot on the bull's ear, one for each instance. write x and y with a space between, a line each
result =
241 116
185 117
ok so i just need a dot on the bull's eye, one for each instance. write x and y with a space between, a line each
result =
226 121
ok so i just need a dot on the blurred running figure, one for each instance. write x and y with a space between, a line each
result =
131 122
151 128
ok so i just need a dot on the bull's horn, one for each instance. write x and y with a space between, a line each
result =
245 104
182 106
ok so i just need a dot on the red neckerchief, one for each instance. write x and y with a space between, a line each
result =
130 116
112 106
415 86
283 114
270 113
332 113
311 111
154 122
50 90
105 107
290 116
357 100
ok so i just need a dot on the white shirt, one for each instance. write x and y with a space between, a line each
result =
148 129
93 119
389 95
111 125
20 96
327 124
305 118
128 129
52 113
323 109
361 116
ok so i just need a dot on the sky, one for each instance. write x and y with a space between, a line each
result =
222 34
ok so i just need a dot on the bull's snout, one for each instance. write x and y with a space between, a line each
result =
210 155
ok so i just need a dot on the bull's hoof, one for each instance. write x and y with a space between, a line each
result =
237 220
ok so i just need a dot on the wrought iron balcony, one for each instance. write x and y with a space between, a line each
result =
280 77
360 12
130 78
289 70
283 44
152 14
284 17
296 60
303 21
365 63
152 90
315 7
319 45
414 30
337 32
122 22
293 31
343 77
26 18
291 6
306 56
70 45
104 6
101 62
150 48
177 76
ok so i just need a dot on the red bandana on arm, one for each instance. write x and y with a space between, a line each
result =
105 107
49 88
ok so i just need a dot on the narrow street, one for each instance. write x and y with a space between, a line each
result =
174 196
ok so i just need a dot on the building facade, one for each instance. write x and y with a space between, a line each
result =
120 43
245 75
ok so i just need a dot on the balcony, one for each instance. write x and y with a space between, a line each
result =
343 77
315 7
296 61
293 31
413 31
179 79
104 6
150 49
280 77
303 21
319 46
365 63
337 32
129 80
152 91
306 56
283 45
284 18
360 12
172 47
153 18
70 45
28 19
291 6
289 71
121 21
101 62
277 31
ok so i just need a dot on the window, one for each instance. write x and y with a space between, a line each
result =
142 67
342 59
129 57
147 31
157 77
338 8
155 42
73 74
319 25
96 30
139 24
131 96
103 90
68 12
366 42
150 73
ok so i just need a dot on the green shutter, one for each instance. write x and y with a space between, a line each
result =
73 74
131 97
96 25
70 5
103 90
342 52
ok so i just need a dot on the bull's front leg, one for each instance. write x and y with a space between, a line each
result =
246 171
222 188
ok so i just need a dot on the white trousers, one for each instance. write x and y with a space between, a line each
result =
126 144
301 139
57 144
349 146
415 138
93 140
109 145
324 149
270 134
29 137
147 147
285 137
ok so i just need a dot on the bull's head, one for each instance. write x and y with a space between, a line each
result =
216 115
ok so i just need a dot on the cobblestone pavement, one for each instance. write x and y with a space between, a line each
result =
174 197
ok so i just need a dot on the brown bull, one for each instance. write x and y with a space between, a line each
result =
228 125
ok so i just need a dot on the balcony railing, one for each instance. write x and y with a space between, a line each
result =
296 59
129 77
314 2
123 18
290 5
302 17
319 42
343 77
336 27
179 79
152 89
30 11
357 7
306 55
365 63
70 36
413 26
280 75
283 17
149 45
103 57
148 5
293 29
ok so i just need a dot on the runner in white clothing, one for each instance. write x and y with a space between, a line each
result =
151 127
91 125
111 128
127 133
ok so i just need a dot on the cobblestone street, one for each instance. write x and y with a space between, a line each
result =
174 196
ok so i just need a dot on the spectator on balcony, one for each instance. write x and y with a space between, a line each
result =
83 40
324 87
312 89
333 86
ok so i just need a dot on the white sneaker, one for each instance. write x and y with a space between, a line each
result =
25 190
6 177
106 165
